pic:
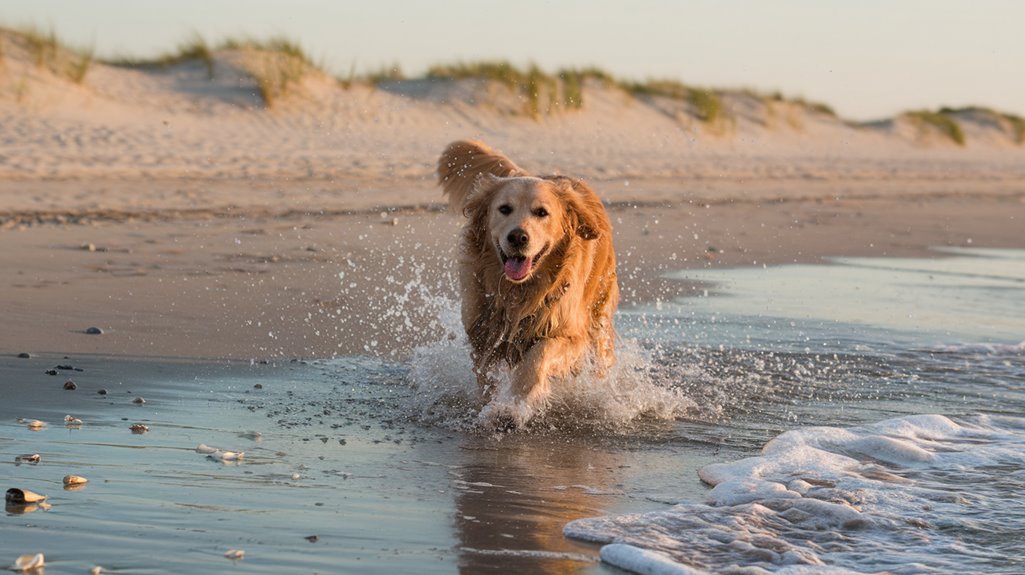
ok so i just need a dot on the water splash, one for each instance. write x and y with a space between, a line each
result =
446 391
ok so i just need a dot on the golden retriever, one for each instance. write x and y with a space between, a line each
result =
537 276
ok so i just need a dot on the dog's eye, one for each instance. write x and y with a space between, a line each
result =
505 209
541 212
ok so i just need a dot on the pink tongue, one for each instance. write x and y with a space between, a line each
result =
516 269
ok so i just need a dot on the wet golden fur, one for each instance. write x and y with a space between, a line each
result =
544 326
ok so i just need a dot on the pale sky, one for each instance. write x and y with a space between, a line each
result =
866 58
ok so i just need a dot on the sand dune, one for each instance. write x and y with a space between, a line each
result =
180 123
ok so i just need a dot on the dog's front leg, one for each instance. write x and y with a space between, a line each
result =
548 359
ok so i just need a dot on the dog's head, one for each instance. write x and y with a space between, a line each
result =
526 219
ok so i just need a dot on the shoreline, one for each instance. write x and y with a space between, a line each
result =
44 201
251 281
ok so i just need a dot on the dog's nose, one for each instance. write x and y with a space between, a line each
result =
518 238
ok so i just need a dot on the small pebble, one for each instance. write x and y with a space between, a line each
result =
93 330
70 385
97 570
138 401
235 554
102 391
29 458
312 538
89 247
258 386
24 355
51 372
139 428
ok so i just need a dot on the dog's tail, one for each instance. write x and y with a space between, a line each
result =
463 162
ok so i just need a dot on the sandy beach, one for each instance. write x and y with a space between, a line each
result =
213 240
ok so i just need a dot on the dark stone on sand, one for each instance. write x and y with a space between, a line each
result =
51 372
312 538
93 330
102 392
65 367
70 385
258 386
24 355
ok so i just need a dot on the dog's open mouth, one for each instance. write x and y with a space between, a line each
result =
518 267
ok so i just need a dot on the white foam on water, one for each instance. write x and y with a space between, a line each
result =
637 560
996 349
916 494
530 554
446 392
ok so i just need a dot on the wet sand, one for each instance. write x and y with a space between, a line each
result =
252 285
334 459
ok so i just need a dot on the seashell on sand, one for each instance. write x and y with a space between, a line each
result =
74 480
29 562
29 458
23 496
235 554
227 456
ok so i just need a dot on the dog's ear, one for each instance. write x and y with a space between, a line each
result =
583 207
479 197
462 166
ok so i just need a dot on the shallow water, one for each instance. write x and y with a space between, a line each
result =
380 460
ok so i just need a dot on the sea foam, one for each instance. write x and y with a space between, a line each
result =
916 494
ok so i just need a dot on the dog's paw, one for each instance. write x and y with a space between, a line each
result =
504 424
505 417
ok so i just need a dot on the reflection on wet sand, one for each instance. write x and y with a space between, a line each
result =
514 498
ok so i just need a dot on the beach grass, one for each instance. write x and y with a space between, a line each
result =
350 80
706 104
194 48
941 121
1015 123
277 64
48 52
389 73
1017 126
538 89
817 107
572 82
498 71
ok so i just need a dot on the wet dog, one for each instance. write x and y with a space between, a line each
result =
537 276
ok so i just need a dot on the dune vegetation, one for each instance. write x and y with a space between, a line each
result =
1014 124
941 121
278 67
193 49
48 52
